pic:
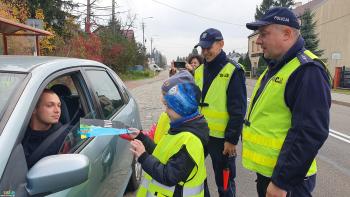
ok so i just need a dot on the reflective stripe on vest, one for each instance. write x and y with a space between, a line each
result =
163 126
168 146
269 121
216 112
187 191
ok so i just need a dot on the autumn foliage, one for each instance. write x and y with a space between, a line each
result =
108 44
87 46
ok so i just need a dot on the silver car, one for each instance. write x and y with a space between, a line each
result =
99 166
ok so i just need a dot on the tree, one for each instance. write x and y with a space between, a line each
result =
264 6
245 61
262 65
307 30
87 46
267 4
55 12
195 51
285 3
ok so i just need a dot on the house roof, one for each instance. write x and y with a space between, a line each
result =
310 5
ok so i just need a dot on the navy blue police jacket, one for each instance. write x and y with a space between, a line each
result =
308 97
236 95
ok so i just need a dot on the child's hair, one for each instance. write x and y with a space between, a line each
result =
183 98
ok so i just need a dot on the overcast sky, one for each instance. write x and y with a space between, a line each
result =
176 25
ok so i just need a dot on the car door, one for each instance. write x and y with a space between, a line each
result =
116 158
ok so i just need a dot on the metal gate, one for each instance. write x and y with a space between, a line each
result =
345 78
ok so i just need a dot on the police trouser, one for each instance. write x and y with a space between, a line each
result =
303 189
219 161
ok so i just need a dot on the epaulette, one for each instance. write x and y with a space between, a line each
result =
236 64
303 58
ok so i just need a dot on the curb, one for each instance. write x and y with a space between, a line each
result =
346 104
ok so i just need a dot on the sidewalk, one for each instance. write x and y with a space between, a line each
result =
341 99
337 98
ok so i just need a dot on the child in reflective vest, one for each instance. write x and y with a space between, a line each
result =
175 165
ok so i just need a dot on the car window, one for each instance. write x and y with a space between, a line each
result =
8 85
106 91
122 86
72 92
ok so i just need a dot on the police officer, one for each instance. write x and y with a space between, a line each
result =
223 104
288 119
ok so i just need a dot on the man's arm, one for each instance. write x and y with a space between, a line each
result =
236 106
308 97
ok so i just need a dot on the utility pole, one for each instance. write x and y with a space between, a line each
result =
88 14
114 23
151 47
113 10
143 30
143 33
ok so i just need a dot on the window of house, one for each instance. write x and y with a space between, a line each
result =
253 46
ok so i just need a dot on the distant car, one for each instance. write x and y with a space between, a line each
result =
93 167
137 68
155 67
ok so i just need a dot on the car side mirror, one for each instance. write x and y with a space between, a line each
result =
56 173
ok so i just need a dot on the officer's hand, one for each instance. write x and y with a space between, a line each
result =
137 147
229 149
274 191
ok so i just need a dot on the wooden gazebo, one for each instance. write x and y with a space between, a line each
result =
11 28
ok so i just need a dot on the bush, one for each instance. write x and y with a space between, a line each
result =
137 74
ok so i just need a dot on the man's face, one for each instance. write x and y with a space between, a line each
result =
48 111
210 53
271 39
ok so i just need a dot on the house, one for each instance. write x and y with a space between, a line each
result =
332 26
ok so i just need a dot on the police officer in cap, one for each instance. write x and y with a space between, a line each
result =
223 104
288 118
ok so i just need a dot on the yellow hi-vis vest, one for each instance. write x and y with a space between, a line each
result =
216 110
163 125
268 122
168 146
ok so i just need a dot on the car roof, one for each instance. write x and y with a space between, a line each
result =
22 63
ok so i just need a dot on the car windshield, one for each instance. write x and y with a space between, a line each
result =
8 85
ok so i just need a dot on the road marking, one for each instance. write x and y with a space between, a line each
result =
340 136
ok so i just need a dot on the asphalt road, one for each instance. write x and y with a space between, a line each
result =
333 178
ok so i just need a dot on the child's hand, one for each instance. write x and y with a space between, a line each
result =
137 147
132 134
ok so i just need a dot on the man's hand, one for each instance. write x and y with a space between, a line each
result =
274 191
229 149
137 147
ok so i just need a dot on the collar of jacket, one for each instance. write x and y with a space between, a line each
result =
177 123
219 60
291 53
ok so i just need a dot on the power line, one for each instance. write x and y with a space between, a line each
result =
193 14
